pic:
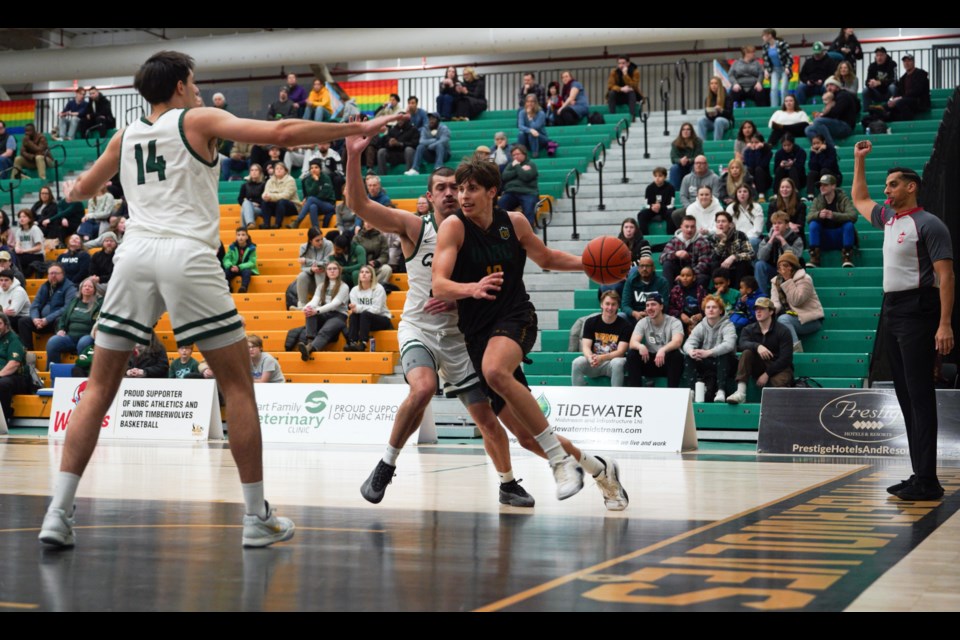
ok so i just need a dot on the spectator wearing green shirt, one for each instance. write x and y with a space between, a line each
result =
318 197
12 373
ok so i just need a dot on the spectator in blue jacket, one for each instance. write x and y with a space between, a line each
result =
532 123
72 113
434 145
744 310
51 299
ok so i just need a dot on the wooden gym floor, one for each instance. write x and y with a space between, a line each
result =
159 530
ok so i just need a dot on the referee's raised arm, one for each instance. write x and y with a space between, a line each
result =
859 192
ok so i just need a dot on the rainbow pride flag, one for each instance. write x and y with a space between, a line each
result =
369 95
17 113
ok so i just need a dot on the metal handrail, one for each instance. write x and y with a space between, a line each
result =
11 178
665 98
622 134
544 218
680 70
600 159
571 191
97 139
56 165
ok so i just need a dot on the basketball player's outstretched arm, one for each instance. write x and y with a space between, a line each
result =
859 192
407 225
545 257
449 241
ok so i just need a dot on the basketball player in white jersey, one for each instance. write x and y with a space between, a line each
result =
430 341
168 169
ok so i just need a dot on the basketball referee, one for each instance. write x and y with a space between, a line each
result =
918 291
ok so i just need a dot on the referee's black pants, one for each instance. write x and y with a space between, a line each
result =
910 321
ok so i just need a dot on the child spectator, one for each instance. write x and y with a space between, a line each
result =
659 196
743 311
686 298
185 366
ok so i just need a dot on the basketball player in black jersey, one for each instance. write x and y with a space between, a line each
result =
479 261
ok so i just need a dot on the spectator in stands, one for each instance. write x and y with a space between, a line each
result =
376 249
434 145
326 312
913 92
604 344
332 165
687 248
6 263
639 284
530 87
796 300
782 239
75 323
75 261
574 105
790 118
297 94
554 102
368 310
743 309
238 163
263 366
881 83
659 196
684 149
318 197
631 236
279 198
788 200
6 233
532 125
101 264
704 209
13 297
13 375
283 108
314 254
623 86
756 160
99 115
501 150
846 47
710 351
34 153
814 72
418 117
398 145
732 248
831 222
148 361
655 346
471 98
319 106
251 198
747 215
789 161
8 150
376 192
52 296
118 227
29 242
347 222
838 117
350 256
735 177
823 161
719 113
689 191
766 353
44 209
520 185
746 78
241 261
447 96
845 75
389 108
686 297
185 366
97 218
747 130
395 251
723 289
275 156
63 224
72 113
778 64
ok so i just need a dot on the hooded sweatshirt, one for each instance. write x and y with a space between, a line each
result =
16 298
721 337
699 248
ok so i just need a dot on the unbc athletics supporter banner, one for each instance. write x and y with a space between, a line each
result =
154 409
333 413
620 419
846 422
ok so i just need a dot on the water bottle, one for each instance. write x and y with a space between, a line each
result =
373 345
699 391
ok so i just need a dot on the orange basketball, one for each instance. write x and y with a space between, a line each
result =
606 260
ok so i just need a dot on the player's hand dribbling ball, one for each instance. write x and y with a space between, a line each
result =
606 260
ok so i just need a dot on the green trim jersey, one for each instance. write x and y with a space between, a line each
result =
170 188
420 283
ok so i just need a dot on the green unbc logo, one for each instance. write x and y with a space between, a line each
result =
544 405
315 402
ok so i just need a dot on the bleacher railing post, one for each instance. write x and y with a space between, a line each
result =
623 133
680 69
665 98
56 166
571 191
97 138
544 218
600 159
644 116
13 186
